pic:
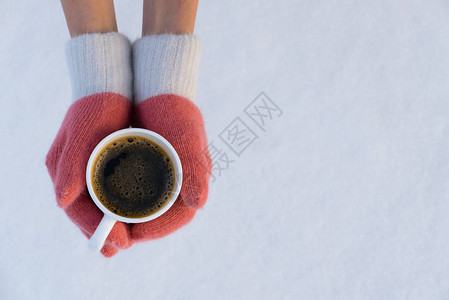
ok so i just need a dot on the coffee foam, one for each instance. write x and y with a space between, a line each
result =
133 177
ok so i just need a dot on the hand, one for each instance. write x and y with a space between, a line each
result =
86 123
180 122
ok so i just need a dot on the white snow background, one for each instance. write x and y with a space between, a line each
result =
344 196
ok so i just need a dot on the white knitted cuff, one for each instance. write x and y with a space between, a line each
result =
166 64
100 62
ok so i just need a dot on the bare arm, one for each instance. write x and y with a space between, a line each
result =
88 16
168 16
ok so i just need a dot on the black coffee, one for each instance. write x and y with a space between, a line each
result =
133 177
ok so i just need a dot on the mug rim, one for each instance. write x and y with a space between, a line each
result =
152 136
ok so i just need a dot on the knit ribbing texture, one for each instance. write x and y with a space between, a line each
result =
166 64
100 62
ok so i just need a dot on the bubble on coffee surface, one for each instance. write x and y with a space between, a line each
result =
133 177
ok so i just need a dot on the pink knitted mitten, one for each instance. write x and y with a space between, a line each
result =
165 68
101 91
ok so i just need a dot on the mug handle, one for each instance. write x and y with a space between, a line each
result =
96 241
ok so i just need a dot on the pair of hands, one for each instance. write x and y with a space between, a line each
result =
92 118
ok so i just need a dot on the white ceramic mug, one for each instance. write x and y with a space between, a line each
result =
97 240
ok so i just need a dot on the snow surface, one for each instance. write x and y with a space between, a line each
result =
344 196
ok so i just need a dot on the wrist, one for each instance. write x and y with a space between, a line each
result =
169 16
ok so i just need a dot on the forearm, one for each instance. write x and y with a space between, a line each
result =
89 16
168 16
